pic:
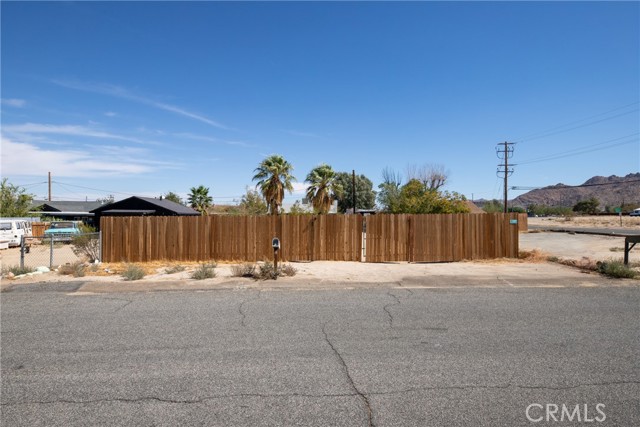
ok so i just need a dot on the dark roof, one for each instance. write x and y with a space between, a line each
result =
64 206
136 205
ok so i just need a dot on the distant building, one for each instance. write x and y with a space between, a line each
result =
142 206
68 210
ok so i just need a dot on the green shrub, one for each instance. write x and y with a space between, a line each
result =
133 272
16 270
175 269
616 269
87 245
204 271
243 270
266 271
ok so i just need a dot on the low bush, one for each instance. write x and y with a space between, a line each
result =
267 271
87 245
77 269
16 270
133 272
175 269
616 269
204 271
243 270
288 270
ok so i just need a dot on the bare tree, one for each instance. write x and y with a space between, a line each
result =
432 176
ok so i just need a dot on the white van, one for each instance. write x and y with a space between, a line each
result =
11 231
635 212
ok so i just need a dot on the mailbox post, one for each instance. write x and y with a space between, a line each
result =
275 243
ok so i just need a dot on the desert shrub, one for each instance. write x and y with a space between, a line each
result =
288 270
553 258
17 270
133 272
204 271
616 269
87 245
77 269
266 271
243 270
175 269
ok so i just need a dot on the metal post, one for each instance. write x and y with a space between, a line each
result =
22 253
51 252
100 245
275 260
626 251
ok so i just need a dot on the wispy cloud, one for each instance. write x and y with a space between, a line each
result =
110 114
211 139
69 130
68 163
302 134
14 102
120 92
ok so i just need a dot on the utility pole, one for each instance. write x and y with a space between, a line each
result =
353 186
504 151
49 186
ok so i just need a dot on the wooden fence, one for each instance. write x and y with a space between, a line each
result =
231 238
441 238
38 228
415 238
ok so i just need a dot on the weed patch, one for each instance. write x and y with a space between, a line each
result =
133 272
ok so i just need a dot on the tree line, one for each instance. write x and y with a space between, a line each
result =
274 177
421 193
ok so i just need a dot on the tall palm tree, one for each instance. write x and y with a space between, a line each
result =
199 199
324 188
274 177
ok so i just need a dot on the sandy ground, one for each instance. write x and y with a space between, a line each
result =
325 273
630 222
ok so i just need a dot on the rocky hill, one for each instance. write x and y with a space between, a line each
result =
610 191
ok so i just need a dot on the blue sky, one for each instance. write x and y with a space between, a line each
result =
143 98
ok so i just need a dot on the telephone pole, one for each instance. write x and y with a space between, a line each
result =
504 151
49 186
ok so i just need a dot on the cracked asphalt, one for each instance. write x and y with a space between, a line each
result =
378 356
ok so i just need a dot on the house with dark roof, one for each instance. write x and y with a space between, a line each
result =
68 210
142 206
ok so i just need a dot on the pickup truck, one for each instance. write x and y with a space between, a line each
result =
63 231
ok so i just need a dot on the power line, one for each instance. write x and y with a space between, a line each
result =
559 129
576 186
505 154
582 150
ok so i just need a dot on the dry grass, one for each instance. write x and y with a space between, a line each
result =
535 255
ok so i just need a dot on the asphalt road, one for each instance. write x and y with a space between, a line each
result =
460 356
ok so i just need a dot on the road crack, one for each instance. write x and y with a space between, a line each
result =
386 308
144 399
345 368
127 302
243 315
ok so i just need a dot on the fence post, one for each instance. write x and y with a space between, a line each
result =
51 252
100 246
21 252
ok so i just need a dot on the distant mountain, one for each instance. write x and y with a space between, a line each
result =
610 191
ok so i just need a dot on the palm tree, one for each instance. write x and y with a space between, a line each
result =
324 188
274 176
199 199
